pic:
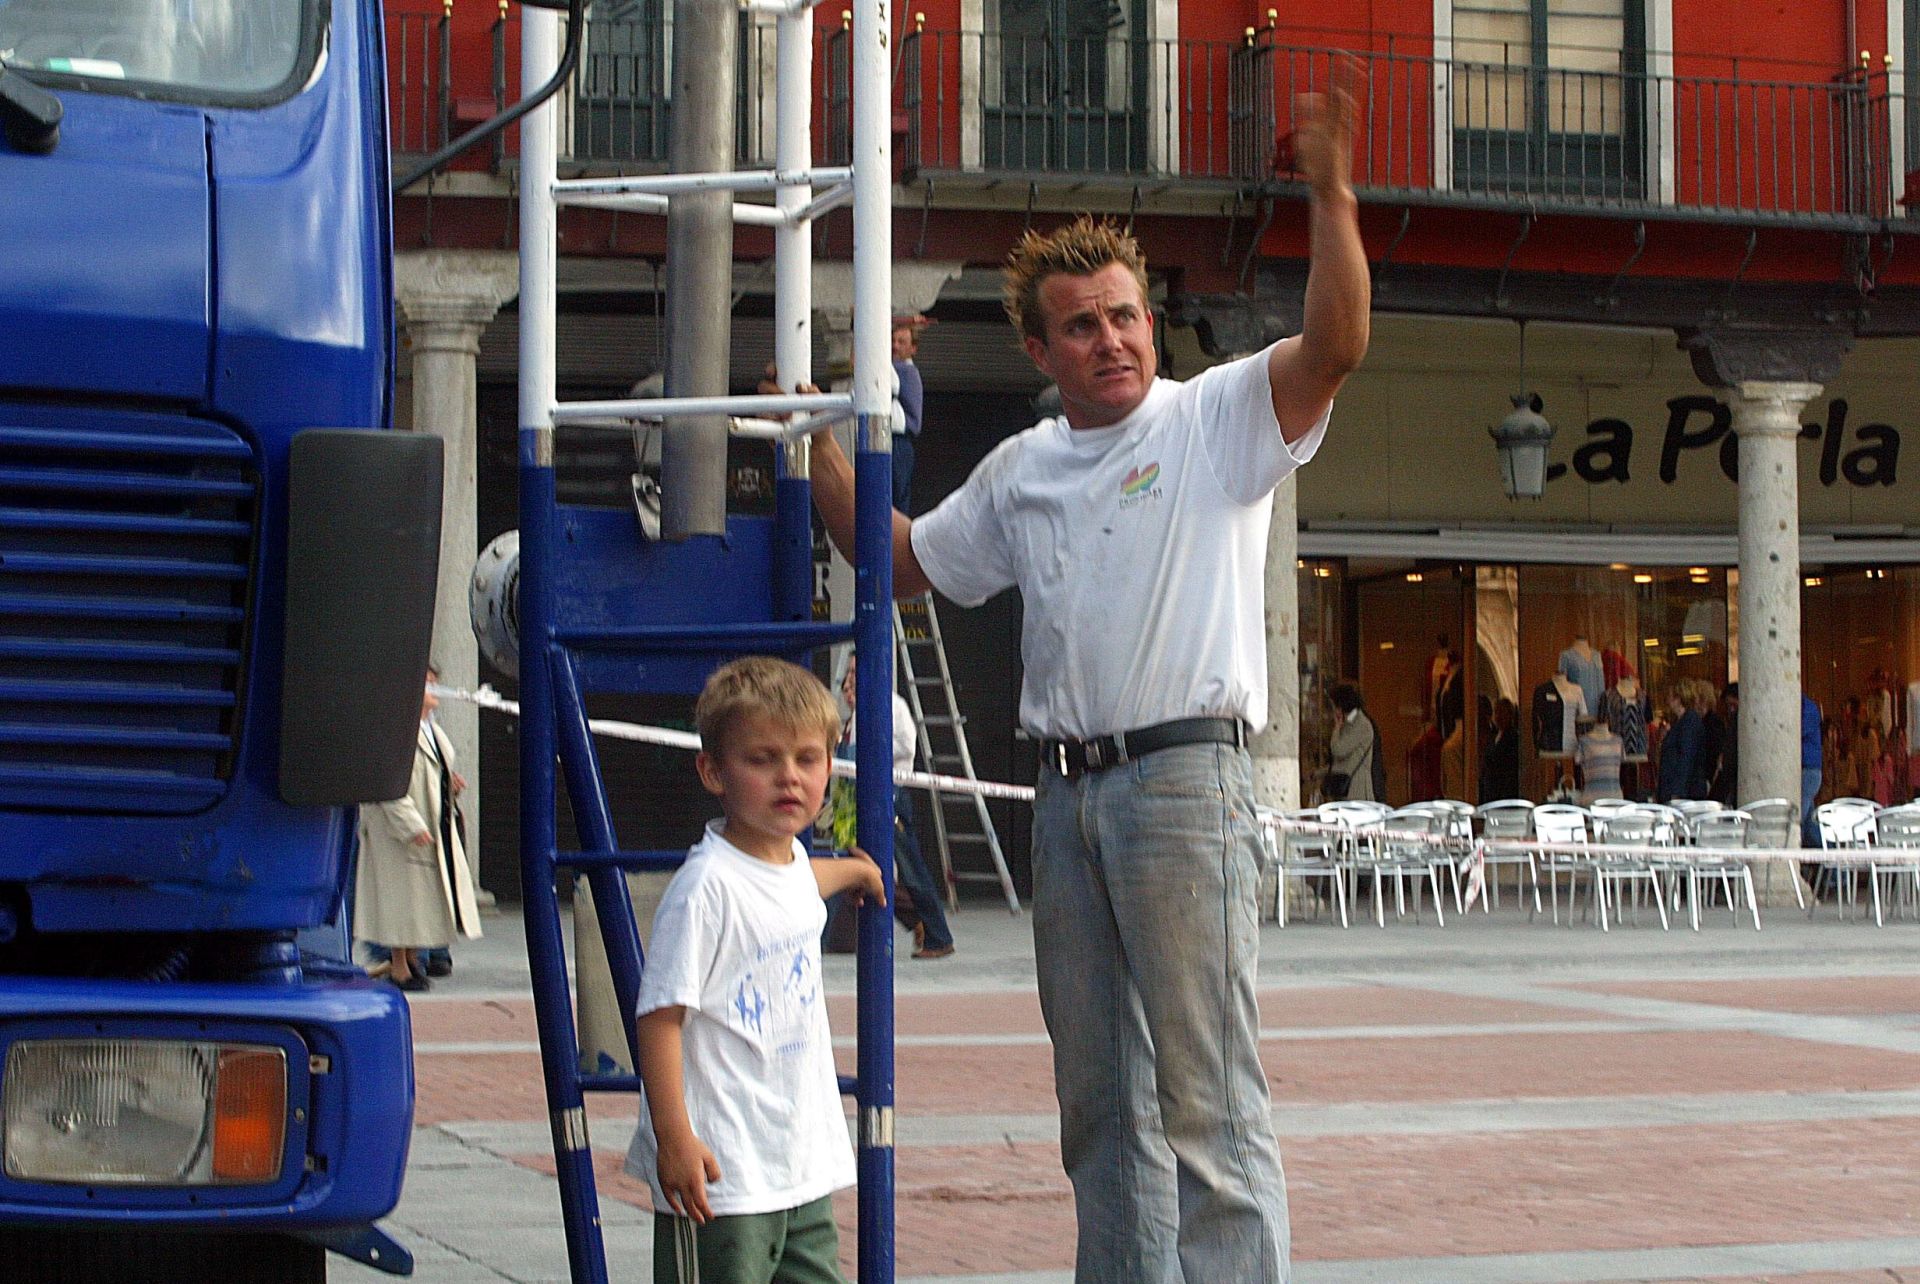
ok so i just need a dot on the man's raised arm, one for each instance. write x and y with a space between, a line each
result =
1308 369
833 496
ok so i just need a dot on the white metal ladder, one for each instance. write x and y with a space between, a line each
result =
554 728
960 821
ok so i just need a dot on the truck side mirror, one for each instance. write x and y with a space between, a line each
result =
363 560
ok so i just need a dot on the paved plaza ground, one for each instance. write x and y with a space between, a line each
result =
1493 1101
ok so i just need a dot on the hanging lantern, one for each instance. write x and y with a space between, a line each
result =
1522 438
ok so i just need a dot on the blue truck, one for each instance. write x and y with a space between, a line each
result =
217 573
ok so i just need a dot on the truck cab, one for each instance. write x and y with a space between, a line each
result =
217 576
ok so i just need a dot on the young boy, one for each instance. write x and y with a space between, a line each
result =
742 1135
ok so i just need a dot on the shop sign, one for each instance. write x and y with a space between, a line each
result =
1699 422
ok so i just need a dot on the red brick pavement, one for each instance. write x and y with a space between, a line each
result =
1306 1007
968 1209
1814 996
1005 1207
1018 1079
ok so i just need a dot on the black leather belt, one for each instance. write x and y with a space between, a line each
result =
1077 757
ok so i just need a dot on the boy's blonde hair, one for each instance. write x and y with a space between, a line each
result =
1081 248
775 689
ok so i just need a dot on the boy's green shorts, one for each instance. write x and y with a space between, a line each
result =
797 1246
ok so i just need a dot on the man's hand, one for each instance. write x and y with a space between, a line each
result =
1323 136
769 386
459 783
422 840
686 1166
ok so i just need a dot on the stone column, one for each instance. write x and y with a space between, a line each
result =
446 298
1276 750
1767 378
1766 418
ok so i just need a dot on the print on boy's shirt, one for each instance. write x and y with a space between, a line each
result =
780 1016
1139 487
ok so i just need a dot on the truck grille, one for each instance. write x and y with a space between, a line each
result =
125 562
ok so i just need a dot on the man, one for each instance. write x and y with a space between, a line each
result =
926 916
1135 526
906 345
1726 776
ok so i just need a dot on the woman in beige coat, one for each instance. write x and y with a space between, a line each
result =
413 892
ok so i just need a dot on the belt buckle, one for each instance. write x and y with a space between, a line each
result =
1096 756
1060 758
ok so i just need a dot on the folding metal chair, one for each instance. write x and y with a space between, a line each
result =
1629 827
1846 825
1566 825
1306 855
1507 819
1896 854
1775 824
1720 829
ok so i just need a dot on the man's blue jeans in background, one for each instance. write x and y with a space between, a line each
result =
1146 935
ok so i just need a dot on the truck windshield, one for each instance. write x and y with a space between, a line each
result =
217 51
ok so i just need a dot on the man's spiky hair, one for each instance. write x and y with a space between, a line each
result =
1081 248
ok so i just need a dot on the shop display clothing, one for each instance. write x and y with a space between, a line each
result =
1558 703
1139 550
1624 709
1581 663
1599 758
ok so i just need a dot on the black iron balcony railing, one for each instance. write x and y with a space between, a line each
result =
619 114
1574 127
1506 131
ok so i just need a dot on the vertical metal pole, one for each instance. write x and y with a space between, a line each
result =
699 267
693 457
873 615
573 1157
793 315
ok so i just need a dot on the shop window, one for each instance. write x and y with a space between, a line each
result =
1861 665
1584 630
1322 664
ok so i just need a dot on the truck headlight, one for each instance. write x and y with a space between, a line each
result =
144 1112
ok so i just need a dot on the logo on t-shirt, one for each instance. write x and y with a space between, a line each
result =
1139 486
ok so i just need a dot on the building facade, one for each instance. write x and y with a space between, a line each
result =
1683 228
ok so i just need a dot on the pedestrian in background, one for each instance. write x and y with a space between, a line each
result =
412 892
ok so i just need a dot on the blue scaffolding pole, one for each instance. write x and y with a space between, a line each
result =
601 609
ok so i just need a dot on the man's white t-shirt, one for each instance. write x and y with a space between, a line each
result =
1139 550
736 941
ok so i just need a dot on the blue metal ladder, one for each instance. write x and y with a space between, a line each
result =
602 609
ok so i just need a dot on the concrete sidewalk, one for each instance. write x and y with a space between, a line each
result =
1495 1100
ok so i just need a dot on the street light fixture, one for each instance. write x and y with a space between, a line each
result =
1522 438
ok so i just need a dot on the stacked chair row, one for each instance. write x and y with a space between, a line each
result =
1862 837
1662 854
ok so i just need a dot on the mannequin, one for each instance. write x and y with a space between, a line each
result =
1582 663
1599 758
1624 709
1557 703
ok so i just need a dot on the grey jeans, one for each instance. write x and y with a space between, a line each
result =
1146 935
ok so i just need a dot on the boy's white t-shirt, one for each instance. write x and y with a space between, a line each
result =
1139 551
736 941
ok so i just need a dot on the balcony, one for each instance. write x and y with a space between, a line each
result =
617 114
1579 130
1432 130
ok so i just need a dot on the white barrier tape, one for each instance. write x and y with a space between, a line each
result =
487 698
1374 828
